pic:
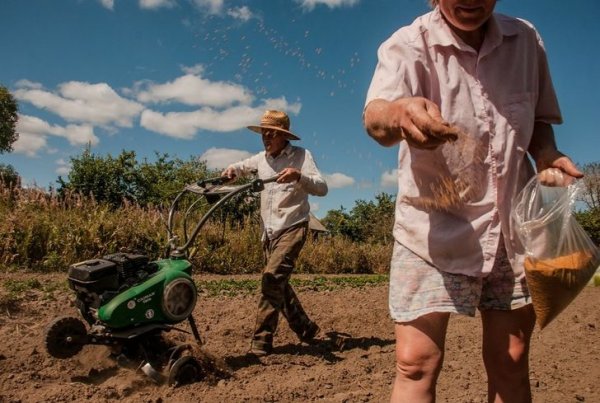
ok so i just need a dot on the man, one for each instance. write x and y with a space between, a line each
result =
284 213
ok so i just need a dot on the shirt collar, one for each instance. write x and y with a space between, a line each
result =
287 150
441 34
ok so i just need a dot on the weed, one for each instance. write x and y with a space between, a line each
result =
232 287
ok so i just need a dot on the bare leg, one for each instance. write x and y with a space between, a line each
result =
419 358
506 337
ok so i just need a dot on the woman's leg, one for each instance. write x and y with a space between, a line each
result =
506 338
419 357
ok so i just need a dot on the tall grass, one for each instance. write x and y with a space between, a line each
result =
42 232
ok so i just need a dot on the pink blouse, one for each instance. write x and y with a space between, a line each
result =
454 202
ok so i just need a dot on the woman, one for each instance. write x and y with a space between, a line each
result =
467 94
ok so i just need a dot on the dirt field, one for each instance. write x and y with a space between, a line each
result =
565 357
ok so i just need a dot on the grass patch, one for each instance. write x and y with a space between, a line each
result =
15 290
230 287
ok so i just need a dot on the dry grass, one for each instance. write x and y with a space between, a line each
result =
42 232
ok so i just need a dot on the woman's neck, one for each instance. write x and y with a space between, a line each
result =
472 38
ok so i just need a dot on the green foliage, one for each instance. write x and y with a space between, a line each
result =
590 218
14 291
9 176
157 182
590 221
107 179
370 221
8 120
230 287
117 180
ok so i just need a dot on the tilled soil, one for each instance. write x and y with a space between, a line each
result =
352 362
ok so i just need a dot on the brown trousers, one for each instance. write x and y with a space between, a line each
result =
277 294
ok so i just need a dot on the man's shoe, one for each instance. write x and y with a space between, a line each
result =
260 350
310 332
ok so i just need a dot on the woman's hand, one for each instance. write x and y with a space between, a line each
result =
556 169
416 120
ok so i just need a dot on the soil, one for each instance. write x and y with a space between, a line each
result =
565 356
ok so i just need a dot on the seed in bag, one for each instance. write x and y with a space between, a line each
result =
554 283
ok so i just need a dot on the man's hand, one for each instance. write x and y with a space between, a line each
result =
228 173
416 120
288 175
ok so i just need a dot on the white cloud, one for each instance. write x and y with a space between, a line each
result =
314 207
219 158
110 4
311 4
29 144
338 180
33 134
240 13
389 179
62 167
192 89
154 4
195 70
76 101
211 6
28 84
186 124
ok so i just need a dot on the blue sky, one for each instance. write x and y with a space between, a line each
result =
185 77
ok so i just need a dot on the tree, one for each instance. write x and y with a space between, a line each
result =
590 217
8 120
591 180
337 222
368 221
9 176
108 179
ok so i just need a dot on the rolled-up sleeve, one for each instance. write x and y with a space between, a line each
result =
392 78
246 167
311 180
547 109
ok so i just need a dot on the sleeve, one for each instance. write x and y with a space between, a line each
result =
246 167
547 109
393 78
311 179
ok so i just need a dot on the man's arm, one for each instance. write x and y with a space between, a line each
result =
309 178
544 152
241 168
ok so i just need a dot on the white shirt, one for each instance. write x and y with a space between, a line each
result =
495 96
283 205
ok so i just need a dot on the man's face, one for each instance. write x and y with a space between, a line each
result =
467 15
274 141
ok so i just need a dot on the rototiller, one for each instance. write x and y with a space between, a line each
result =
128 301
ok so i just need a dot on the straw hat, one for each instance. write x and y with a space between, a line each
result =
275 120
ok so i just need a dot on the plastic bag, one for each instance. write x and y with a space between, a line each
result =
560 258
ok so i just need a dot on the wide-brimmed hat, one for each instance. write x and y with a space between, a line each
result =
275 120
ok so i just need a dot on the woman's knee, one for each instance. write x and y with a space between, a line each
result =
414 364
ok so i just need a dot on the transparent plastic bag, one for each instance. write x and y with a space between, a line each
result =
560 258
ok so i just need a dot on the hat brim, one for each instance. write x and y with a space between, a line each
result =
288 135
